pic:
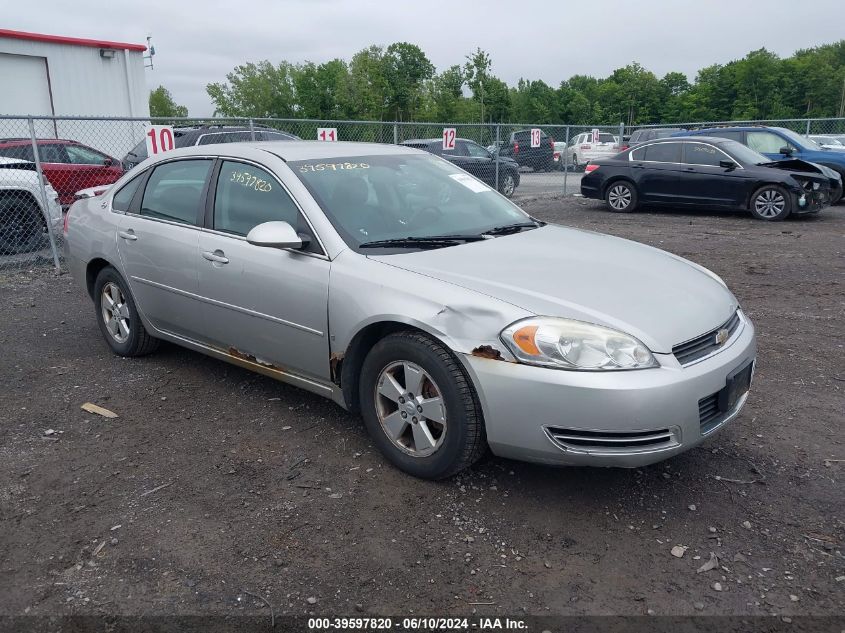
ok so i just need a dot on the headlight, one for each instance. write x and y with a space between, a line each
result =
576 345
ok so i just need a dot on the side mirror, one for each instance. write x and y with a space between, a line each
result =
275 235
108 162
786 151
727 164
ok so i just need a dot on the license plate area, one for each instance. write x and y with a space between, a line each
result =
737 384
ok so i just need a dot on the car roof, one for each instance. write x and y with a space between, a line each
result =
298 150
27 141
686 139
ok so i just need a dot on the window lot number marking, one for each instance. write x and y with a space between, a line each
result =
252 182
535 137
327 134
331 167
449 135
159 139
595 135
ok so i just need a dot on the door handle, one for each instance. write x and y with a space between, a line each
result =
218 257
128 235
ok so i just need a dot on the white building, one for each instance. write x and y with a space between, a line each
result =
69 76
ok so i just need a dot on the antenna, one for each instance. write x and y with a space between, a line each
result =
152 51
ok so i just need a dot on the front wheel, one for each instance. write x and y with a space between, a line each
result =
419 406
118 317
771 203
21 225
621 197
507 185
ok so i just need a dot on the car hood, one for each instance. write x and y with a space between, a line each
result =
799 165
658 297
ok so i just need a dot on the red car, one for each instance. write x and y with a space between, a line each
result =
68 166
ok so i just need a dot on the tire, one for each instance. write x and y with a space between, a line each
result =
446 448
772 203
21 224
507 185
130 338
621 196
575 164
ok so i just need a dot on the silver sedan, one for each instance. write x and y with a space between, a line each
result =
397 285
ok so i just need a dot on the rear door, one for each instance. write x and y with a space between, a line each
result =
703 182
263 305
158 240
656 169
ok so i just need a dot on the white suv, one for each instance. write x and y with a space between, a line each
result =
584 148
22 216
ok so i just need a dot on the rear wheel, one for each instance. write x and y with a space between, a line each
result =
575 164
21 225
118 317
771 203
621 197
419 406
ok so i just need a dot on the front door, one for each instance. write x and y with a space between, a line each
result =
265 305
704 182
157 241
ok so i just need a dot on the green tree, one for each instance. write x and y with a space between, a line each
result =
163 105
405 68
255 90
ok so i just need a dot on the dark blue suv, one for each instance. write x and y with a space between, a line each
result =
778 143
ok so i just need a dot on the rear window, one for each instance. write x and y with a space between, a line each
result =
663 152
23 152
224 137
607 138
666 133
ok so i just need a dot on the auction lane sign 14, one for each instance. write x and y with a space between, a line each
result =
159 139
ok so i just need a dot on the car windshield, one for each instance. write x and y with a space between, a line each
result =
744 154
798 140
397 196
666 133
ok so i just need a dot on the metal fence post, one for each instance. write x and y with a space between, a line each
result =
621 134
497 156
396 134
565 160
252 129
808 128
45 208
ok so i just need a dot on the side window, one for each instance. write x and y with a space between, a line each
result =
174 191
52 153
273 136
123 198
80 155
733 135
248 196
638 153
225 137
701 154
460 149
22 152
476 151
663 152
767 143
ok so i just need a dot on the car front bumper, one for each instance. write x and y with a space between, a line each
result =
615 418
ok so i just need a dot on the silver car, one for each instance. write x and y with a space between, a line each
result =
401 287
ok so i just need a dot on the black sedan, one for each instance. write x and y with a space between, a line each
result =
706 172
478 161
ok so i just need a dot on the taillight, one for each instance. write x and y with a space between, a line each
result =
590 168
622 148
64 226
515 147
551 142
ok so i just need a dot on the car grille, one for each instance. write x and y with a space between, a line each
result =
709 415
705 344
605 441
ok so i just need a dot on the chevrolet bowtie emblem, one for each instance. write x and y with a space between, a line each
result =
722 336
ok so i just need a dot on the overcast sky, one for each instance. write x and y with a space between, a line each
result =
199 41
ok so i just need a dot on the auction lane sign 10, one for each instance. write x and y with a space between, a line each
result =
159 139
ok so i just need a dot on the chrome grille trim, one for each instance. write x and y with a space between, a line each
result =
576 440
706 345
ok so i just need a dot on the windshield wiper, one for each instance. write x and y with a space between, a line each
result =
422 241
507 229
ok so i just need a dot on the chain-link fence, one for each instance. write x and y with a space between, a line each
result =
45 162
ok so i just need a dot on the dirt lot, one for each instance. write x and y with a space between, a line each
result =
214 483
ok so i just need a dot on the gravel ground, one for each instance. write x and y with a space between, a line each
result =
215 485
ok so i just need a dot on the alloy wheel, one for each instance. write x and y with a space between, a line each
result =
769 203
410 409
619 197
508 186
115 312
